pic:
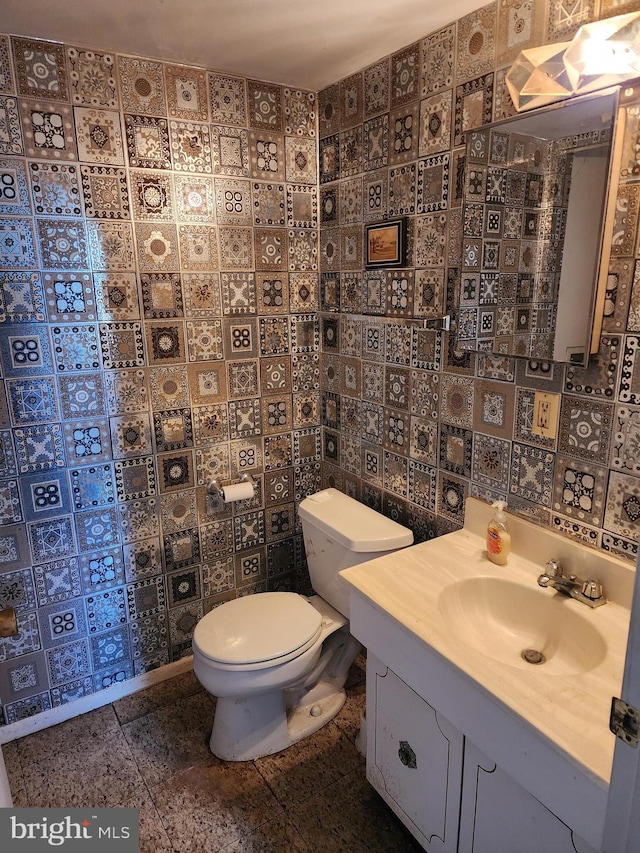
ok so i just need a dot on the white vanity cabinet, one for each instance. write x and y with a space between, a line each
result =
449 795
414 759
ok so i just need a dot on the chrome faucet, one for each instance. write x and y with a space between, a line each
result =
588 591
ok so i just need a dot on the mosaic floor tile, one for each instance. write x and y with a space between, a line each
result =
230 151
186 90
40 69
579 490
91 78
99 136
126 391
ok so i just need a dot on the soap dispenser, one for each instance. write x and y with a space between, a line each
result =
498 537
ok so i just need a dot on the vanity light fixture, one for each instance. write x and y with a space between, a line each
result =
602 54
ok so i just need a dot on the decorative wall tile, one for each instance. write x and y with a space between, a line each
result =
40 69
622 511
579 490
130 436
7 82
230 151
186 90
18 245
227 100
14 191
563 19
99 136
135 478
57 581
126 391
97 528
190 146
32 401
147 142
55 189
299 112
264 105
585 429
87 441
91 78
476 42
473 105
437 60
300 160
405 66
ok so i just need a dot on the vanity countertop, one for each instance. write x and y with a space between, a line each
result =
567 706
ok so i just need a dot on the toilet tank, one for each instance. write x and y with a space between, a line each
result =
340 532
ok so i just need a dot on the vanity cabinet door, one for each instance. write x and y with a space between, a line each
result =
499 815
414 759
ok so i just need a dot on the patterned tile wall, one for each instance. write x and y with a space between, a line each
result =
158 301
437 423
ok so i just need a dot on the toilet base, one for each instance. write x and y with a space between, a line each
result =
246 729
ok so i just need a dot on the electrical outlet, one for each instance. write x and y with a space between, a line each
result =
545 414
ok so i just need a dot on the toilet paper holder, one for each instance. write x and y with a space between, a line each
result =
217 491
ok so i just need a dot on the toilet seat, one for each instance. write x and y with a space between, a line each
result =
258 631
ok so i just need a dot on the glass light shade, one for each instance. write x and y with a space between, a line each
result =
539 76
604 53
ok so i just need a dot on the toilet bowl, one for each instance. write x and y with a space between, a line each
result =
277 661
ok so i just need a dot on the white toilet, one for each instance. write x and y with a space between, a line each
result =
278 661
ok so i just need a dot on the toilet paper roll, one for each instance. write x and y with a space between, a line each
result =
237 492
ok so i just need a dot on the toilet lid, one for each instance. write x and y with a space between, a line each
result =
257 628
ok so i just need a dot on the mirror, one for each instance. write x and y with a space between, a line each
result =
539 199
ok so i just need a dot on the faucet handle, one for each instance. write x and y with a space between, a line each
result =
554 569
592 589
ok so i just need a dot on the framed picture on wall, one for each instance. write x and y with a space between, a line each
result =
385 244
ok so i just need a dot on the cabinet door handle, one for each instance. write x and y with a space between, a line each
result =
407 755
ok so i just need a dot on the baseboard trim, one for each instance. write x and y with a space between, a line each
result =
53 716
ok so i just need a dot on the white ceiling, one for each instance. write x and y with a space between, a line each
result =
304 43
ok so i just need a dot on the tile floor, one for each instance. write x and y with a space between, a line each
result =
150 751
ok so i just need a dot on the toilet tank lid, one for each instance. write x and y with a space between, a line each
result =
353 524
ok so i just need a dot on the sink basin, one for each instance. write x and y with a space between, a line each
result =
503 619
